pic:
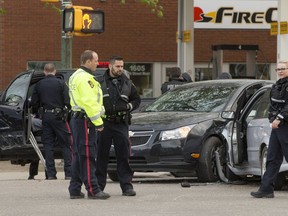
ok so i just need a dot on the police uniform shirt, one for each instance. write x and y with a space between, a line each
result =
167 86
279 100
117 86
50 92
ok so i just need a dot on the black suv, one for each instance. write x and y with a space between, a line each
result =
15 120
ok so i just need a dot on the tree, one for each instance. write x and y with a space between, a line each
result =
154 5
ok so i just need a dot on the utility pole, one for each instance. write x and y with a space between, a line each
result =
185 39
66 40
282 37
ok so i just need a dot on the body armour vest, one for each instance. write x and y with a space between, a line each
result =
113 107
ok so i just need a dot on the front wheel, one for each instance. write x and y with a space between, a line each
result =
207 169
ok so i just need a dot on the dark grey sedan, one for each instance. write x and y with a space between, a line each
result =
181 131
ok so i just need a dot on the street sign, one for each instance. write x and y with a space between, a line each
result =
187 36
274 28
283 28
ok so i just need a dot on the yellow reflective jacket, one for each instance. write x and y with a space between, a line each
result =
86 95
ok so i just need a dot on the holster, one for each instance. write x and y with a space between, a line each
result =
78 114
66 115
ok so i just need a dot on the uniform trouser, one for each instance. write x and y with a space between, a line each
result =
33 168
56 129
278 147
118 134
83 161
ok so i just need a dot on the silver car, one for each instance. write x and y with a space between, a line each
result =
248 139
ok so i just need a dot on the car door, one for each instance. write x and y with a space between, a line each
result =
254 113
13 117
238 137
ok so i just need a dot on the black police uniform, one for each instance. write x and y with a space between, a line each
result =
117 93
51 93
171 84
278 143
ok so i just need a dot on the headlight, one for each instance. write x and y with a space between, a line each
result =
177 133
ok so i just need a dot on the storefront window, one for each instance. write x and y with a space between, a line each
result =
239 71
141 76
203 74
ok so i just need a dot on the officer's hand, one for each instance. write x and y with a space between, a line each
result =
100 129
275 123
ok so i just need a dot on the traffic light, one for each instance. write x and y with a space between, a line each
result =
50 1
83 20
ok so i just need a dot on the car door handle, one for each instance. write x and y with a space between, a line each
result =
18 110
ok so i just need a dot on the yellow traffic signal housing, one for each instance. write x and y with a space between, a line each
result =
83 20
50 1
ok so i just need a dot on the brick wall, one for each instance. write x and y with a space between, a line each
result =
204 39
31 32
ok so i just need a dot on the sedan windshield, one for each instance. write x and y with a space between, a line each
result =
193 98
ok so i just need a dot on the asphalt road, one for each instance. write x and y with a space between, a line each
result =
158 194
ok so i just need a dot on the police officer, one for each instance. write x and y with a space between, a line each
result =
87 108
175 79
278 143
120 98
51 94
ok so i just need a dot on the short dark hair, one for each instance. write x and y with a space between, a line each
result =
86 55
49 67
174 72
115 58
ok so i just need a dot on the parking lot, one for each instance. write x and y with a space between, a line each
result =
157 194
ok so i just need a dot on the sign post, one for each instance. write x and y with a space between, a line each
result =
66 40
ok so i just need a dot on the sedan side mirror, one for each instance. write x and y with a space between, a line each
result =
228 115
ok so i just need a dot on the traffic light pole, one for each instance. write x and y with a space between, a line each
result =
66 40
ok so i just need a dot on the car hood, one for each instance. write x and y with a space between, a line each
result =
168 120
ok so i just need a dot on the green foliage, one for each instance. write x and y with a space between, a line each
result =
2 11
51 5
156 8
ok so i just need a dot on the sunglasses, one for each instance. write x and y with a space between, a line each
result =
280 69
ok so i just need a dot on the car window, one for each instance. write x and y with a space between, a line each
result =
17 90
260 108
198 98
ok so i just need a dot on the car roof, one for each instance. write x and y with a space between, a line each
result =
237 82
241 83
61 73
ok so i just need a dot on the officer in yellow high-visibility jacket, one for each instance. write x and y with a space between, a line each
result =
87 108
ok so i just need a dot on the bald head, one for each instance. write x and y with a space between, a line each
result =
49 68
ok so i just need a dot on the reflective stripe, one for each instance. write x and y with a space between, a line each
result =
99 96
280 116
70 83
76 108
278 101
106 95
102 111
124 96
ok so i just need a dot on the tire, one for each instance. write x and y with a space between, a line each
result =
280 180
207 169
113 176
263 160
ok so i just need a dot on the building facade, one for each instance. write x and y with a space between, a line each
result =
30 35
